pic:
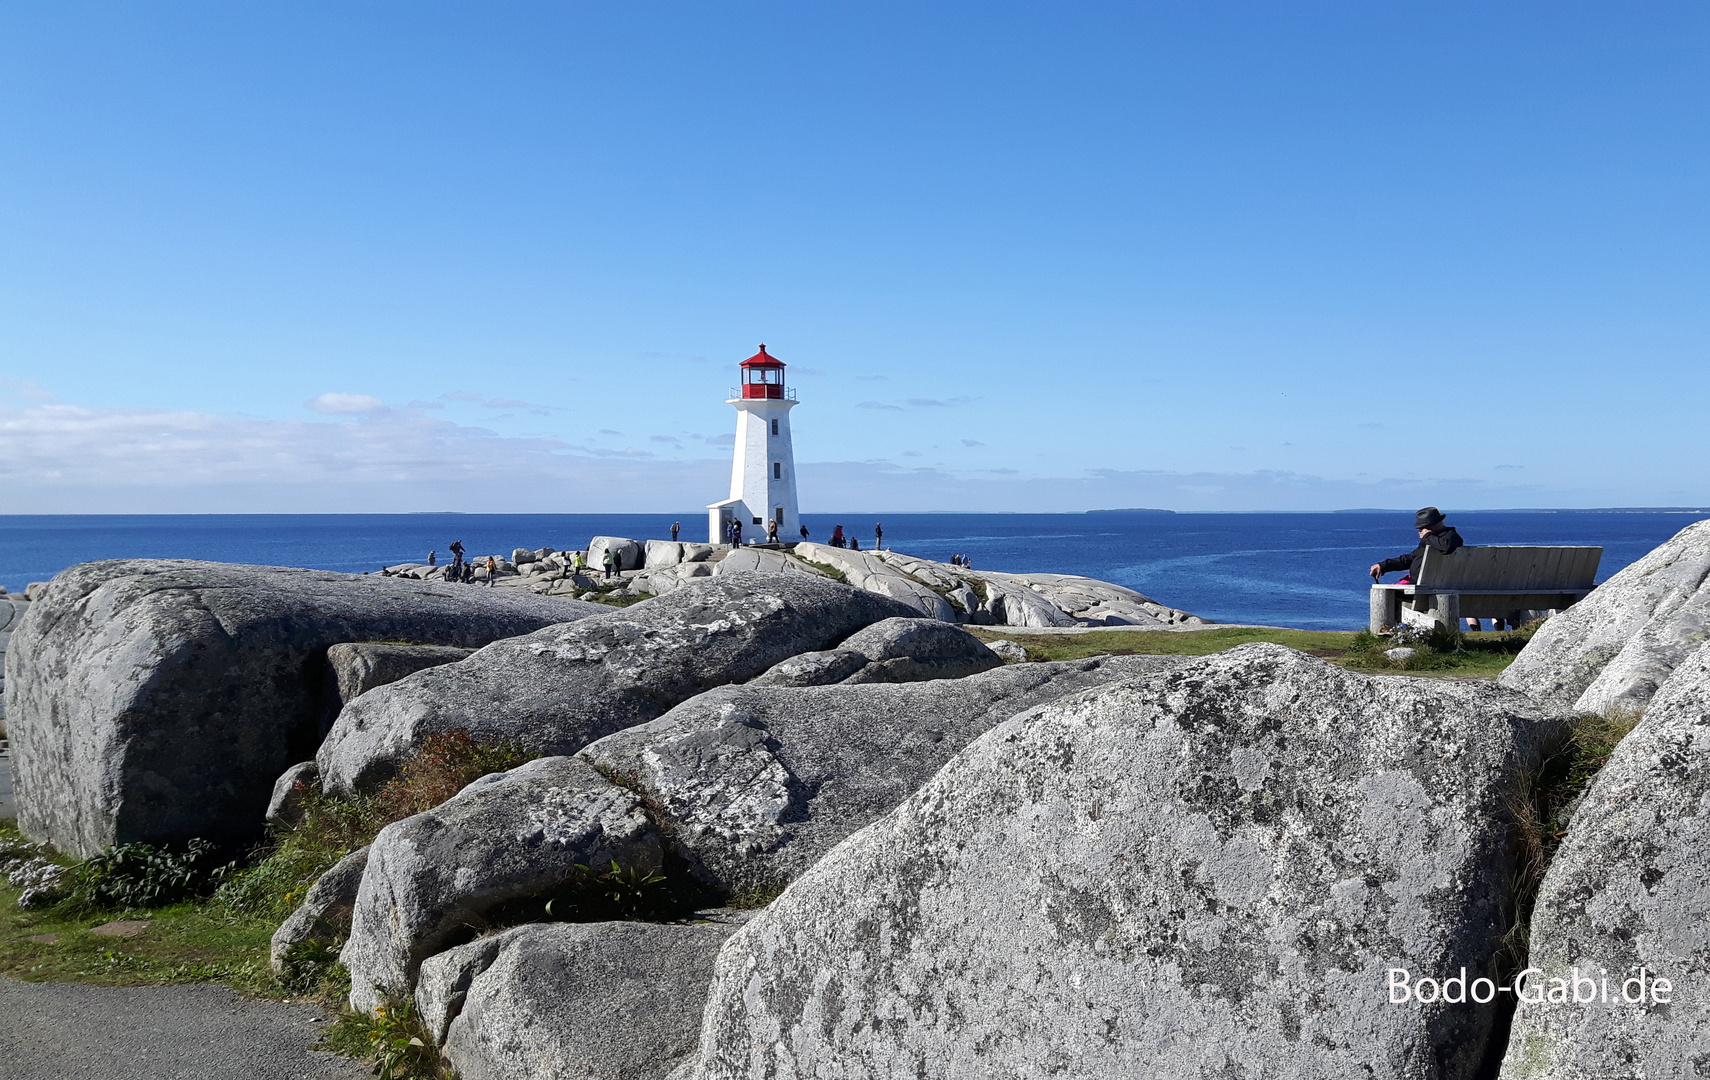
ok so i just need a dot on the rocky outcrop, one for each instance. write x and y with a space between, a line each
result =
813 669
433 879
285 805
589 1001
12 610
1200 872
627 552
556 690
1627 897
748 786
895 650
157 700
868 570
324 915
1613 650
359 667
757 783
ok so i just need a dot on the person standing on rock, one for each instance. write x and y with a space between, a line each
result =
676 526
432 557
492 570
878 536
837 537
1433 535
736 533
804 534
772 531
606 561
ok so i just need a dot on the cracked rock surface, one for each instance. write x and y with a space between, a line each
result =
757 783
556 690
1204 871
517 835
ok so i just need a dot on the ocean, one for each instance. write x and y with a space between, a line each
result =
1299 570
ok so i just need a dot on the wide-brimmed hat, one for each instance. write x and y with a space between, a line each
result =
1428 518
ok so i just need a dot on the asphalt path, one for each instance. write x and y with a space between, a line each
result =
69 1031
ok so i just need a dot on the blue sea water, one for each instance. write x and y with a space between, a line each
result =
1299 570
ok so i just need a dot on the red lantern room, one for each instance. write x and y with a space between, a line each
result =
762 376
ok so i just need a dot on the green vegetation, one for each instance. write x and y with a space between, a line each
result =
392 1040
213 923
1481 654
1549 792
827 569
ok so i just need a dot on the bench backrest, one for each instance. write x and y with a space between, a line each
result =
1510 569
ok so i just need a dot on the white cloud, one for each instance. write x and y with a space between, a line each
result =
68 459
335 404
57 458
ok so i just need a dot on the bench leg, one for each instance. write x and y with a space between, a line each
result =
1385 608
1446 610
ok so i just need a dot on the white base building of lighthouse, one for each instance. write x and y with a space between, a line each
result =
763 466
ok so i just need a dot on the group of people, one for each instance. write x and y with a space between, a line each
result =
840 540
962 561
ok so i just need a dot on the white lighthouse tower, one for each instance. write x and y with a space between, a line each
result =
763 468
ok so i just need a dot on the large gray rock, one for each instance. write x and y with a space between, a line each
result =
294 785
813 669
12 610
662 553
894 650
913 650
627 552
1204 872
559 689
324 915
432 879
572 1001
1612 650
359 667
757 783
157 700
1629 888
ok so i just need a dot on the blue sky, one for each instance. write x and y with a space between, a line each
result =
383 256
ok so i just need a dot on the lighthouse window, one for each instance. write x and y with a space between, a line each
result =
774 427
777 470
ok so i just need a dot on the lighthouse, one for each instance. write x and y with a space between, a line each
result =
763 467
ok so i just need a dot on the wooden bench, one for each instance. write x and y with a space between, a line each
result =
1488 583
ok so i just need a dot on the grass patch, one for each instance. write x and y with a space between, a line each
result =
1540 812
393 1041
827 569
1481 654
185 941
222 937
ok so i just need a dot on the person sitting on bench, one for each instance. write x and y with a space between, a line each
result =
1432 534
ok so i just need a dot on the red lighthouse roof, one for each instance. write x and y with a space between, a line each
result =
762 359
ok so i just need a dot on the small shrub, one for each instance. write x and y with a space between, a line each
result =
145 876
615 893
447 763
330 827
392 1040
312 969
